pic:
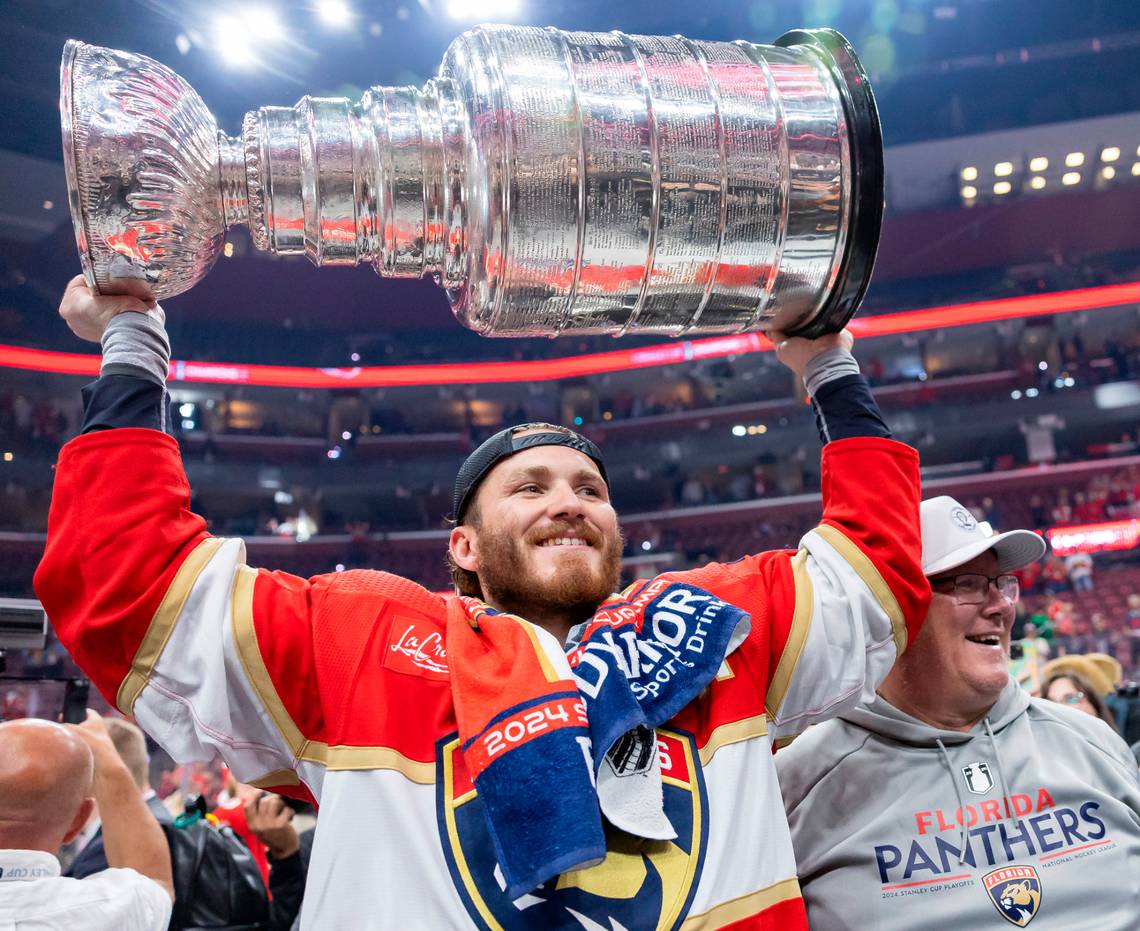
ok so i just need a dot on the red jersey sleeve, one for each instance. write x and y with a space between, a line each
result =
830 619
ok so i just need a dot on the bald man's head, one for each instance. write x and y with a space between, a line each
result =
45 784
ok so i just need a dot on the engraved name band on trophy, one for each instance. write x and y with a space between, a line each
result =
552 182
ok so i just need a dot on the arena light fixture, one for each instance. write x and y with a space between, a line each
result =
969 192
1003 169
334 13
740 430
233 42
263 22
1039 163
1108 172
238 36
1037 183
970 173
1136 169
482 10
1074 159
1110 153
1002 187
1070 178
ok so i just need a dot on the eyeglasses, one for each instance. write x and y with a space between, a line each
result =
1073 698
971 588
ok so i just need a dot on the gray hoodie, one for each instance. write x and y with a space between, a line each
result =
1034 815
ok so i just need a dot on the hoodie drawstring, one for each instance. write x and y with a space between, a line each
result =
961 803
1001 775
958 791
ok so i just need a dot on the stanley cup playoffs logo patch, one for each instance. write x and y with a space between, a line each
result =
1015 892
978 778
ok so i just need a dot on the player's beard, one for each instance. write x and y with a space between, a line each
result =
509 582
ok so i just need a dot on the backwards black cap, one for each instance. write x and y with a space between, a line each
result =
505 443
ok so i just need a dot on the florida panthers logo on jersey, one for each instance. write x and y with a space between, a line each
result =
1015 892
641 885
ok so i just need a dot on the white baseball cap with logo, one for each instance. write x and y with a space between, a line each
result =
952 536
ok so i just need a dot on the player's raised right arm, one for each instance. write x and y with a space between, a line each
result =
168 621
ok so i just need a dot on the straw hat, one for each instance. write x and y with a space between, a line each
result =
1101 671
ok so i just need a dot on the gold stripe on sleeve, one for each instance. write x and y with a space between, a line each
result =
162 624
797 636
735 732
280 777
747 906
245 638
865 569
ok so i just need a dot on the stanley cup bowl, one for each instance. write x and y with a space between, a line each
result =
140 152
551 182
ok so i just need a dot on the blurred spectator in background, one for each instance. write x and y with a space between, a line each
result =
990 513
1086 511
1035 652
1132 626
1101 637
1079 568
1029 578
1054 577
271 819
1062 510
130 744
1068 687
51 777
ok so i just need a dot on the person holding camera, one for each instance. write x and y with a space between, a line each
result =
51 777
270 818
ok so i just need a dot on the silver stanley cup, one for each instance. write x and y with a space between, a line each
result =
551 182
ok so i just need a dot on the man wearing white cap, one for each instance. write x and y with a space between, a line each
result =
954 794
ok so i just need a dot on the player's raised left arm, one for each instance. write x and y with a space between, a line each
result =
830 619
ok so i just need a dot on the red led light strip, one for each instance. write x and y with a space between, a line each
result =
387 376
1094 538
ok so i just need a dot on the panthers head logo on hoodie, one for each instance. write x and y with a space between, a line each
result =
1015 892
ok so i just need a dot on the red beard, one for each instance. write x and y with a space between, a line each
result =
508 582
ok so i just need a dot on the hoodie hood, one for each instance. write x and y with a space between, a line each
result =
883 718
